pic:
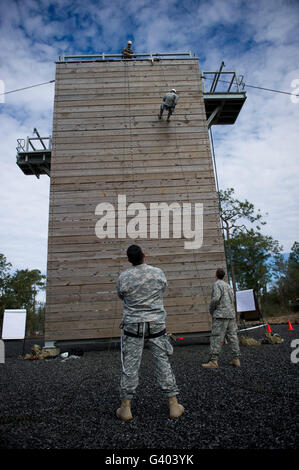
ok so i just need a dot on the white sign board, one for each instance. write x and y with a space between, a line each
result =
245 301
14 324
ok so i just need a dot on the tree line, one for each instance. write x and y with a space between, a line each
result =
19 290
256 261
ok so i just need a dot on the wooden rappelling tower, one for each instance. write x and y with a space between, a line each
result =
107 141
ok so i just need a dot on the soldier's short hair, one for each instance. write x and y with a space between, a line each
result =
220 273
135 254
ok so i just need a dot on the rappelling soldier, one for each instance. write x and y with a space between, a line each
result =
170 100
224 325
128 52
141 289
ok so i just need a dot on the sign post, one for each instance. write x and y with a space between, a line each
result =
247 305
14 325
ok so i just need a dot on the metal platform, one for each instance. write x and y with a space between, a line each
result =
151 56
34 156
225 97
223 100
223 109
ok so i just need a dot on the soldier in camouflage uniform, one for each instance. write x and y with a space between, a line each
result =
170 100
127 52
141 289
224 324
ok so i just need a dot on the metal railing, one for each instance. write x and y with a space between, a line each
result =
227 82
151 56
27 146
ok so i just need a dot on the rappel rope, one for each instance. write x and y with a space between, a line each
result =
123 166
126 93
130 154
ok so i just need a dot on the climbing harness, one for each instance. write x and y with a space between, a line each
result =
187 192
147 336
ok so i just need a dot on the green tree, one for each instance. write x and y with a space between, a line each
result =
293 273
252 253
5 268
285 291
5 276
234 214
23 288
40 317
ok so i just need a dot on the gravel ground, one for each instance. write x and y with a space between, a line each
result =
56 404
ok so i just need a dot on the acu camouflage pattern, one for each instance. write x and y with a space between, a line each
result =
224 328
132 349
141 289
222 300
224 325
170 99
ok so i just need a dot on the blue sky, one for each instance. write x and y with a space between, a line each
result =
258 156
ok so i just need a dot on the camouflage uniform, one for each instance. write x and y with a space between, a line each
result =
127 53
224 324
141 289
170 101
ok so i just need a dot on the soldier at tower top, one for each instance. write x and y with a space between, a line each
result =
128 52
141 289
170 100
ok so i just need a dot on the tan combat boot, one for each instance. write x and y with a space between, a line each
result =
124 412
175 409
212 364
235 362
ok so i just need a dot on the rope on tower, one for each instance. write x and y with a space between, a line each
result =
27 87
256 87
187 193
122 162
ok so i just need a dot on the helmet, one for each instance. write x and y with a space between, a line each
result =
174 90
129 42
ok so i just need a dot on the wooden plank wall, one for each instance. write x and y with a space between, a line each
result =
107 141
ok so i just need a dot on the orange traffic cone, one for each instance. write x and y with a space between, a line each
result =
290 326
268 328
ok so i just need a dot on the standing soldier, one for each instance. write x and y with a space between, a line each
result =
128 52
222 309
170 101
141 288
